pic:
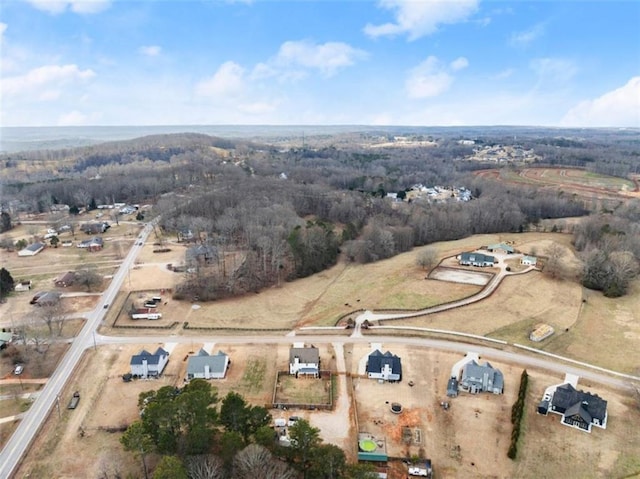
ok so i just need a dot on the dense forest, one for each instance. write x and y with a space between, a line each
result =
288 212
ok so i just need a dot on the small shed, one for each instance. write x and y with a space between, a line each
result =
452 388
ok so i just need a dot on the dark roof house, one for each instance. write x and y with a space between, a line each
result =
65 279
201 253
387 366
579 409
144 364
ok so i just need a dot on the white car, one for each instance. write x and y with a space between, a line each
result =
18 369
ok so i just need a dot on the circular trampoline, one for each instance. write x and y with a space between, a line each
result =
367 445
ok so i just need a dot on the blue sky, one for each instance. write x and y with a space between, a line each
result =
391 62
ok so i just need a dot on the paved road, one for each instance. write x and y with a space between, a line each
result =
37 413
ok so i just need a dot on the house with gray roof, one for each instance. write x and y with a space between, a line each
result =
528 260
206 366
387 366
579 409
304 361
476 259
481 378
201 254
145 365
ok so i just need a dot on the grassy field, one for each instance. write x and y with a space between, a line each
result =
294 390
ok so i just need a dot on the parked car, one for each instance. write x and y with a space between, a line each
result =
17 370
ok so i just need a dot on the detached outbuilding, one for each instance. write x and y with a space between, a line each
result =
31 250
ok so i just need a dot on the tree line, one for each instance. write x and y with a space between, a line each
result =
190 435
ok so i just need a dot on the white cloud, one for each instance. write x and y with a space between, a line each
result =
419 18
227 81
3 28
431 78
459 64
620 107
45 77
524 38
77 6
327 57
150 50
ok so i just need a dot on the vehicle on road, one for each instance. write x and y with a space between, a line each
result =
106 306
17 370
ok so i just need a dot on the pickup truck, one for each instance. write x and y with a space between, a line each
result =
75 399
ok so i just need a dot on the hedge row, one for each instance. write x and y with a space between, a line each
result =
517 411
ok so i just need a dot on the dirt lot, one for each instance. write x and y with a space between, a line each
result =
568 180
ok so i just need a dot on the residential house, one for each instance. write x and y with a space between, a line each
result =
201 254
304 361
65 279
476 259
578 409
95 228
93 244
386 367
529 260
501 247
22 286
206 366
47 298
31 250
481 378
144 364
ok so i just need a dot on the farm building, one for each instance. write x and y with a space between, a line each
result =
578 409
206 366
387 366
501 248
144 364
529 260
541 331
476 259
5 339
304 361
31 250
22 286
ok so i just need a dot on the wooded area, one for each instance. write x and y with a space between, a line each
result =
273 214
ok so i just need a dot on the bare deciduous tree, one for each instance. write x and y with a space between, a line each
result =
256 461
205 466
427 258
